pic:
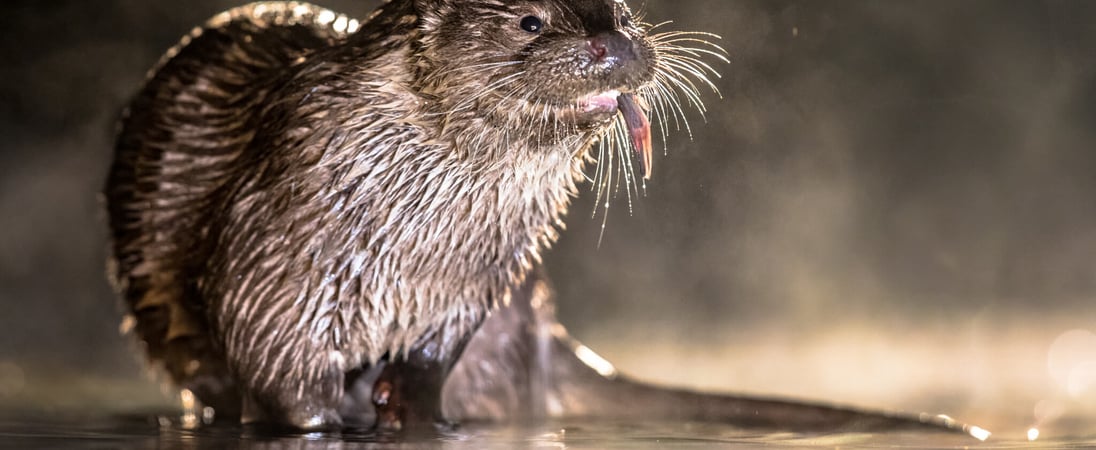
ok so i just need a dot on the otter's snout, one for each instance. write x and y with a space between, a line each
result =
616 59
611 47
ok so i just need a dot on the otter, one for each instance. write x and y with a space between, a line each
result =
319 222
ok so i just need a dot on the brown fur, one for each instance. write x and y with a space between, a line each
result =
291 201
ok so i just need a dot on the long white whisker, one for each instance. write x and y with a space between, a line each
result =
679 67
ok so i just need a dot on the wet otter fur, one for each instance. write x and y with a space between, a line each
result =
320 222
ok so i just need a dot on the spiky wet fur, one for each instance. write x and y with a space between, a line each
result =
292 200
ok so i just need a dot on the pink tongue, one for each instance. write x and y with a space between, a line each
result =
639 128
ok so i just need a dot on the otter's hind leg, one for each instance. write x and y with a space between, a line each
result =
403 393
407 394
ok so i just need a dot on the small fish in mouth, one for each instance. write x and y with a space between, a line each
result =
635 119
639 129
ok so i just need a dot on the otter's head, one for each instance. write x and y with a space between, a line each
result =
552 70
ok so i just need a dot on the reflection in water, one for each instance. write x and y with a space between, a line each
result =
164 432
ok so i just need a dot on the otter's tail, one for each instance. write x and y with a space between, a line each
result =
522 364
177 143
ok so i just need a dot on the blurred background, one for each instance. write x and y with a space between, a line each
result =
892 206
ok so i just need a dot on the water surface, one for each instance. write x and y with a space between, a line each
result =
162 431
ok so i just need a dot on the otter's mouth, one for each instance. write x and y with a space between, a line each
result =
605 105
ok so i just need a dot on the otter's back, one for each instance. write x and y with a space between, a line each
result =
178 141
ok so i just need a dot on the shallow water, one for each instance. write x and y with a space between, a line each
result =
159 431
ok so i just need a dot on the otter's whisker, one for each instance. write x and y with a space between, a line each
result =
627 165
658 113
673 101
684 86
649 28
697 66
606 154
704 39
704 69
701 37
715 51
607 179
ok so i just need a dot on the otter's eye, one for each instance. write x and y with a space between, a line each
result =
625 22
531 24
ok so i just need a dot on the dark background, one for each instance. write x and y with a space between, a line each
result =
892 205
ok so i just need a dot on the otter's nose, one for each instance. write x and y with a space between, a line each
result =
612 47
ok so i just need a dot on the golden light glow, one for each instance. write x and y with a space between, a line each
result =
1071 362
595 361
326 17
980 433
189 402
341 24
